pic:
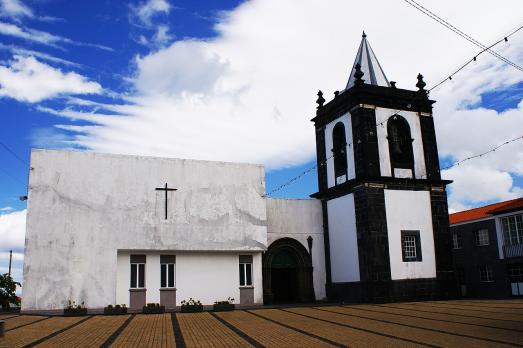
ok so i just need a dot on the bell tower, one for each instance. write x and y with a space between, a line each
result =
384 203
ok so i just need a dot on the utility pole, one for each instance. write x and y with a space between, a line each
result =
10 260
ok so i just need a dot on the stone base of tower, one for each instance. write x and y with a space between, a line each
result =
424 289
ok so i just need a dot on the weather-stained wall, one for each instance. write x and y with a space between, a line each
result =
299 219
83 207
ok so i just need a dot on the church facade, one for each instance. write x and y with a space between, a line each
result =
112 229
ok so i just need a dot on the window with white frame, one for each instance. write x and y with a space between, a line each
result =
482 237
138 271
486 274
410 246
167 271
512 229
245 270
457 240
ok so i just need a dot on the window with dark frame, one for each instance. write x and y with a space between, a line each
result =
167 271
486 274
411 246
457 240
137 271
482 237
245 270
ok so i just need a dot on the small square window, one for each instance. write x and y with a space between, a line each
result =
482 237
486 274
411 246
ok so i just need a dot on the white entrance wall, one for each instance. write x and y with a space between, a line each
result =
351 172
207 277
410 210
343 240
382 115
299 219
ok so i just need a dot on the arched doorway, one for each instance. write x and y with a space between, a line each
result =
287 273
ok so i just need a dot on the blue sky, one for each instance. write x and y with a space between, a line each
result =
237 81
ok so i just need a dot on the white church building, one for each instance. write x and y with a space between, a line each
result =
115 229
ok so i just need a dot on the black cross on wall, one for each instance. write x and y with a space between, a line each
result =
166 189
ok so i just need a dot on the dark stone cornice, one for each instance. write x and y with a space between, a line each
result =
381 183
386 97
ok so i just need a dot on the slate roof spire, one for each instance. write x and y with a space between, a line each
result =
371 68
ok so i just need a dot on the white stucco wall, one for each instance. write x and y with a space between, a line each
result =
382 115
410 210
351 173
299 219
85 206
345 266
204 276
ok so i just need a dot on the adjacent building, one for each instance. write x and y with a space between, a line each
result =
487 248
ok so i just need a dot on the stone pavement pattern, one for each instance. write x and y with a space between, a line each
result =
471 323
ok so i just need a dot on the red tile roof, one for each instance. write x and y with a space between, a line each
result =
486 211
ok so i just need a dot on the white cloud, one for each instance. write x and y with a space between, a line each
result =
248 94
145 11
15 9
43 37
162 36
12 231
4 209
26 79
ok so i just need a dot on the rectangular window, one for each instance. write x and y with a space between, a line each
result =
167 273
410 246
245 270
137 271
515 273
482 237
485 274
512 229
457 240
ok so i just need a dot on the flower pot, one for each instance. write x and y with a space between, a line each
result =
153 309
192 308
75 312
115 310
223 307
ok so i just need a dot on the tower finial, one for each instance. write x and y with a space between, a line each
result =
320 99
421 84
358 75
364 35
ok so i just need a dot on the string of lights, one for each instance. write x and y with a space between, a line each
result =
449 78
467 37
473 59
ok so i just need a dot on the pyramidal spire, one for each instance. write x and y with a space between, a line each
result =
372 72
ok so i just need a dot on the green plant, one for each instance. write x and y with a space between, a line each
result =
191 302
229 300
73 305
152 305
8 291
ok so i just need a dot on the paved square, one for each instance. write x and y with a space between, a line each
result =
471 323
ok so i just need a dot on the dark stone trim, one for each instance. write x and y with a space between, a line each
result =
110 340
56 333
304 268
178 336
422 328
321 158
20 326
385 97
426 318
430 148
361 329
384 182
323 339
237 331
326 246
445 313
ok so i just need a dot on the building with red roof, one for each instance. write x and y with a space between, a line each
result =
487 245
